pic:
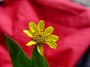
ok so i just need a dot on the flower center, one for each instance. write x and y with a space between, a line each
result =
39 38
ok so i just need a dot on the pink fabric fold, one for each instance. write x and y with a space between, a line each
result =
70 21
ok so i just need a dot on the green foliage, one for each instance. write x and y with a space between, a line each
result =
39 61
23 60
20 59
13 49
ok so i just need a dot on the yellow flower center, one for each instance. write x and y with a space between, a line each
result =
39 38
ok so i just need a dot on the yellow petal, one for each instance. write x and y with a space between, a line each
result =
33 27
49 30
40 49
41 25
52 38
30 43
52 44
28 32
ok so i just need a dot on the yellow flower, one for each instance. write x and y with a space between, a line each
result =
40 37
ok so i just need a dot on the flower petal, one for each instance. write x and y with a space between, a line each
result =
52 44
52 38
40 49
28 32
41 25
30 43
49 30
33 27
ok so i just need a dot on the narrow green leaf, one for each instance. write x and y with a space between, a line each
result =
13 50
23 60
38 60
18 57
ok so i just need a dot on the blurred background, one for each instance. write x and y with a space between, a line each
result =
83 2
85 59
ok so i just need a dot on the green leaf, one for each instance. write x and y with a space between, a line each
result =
18 57
23 60
13 50
38 60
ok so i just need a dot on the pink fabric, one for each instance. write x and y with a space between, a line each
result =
70 21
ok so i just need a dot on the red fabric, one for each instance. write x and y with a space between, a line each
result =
71 23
